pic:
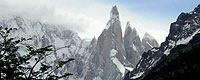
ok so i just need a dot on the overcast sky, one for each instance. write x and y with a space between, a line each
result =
89 17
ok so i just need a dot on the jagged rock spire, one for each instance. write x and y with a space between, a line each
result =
128 28
132 44
114 14
128 24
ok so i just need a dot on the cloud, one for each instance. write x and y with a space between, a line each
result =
87 17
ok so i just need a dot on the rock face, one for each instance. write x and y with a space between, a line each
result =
114 14
181 32
133 45
109 65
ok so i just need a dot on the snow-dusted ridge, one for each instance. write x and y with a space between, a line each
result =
181 32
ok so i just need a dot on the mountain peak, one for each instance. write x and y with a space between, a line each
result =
149 41
147 35
128 24
129 28
114 14
134 29
94 39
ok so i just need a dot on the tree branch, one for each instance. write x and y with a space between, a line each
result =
33 68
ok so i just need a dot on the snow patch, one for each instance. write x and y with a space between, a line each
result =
119 65
176 24
129 68
154 50
153 62
167 52
97 78
149 44
113 52
137 75
171 45
185 41
139 63
134 47
140 57
175 36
